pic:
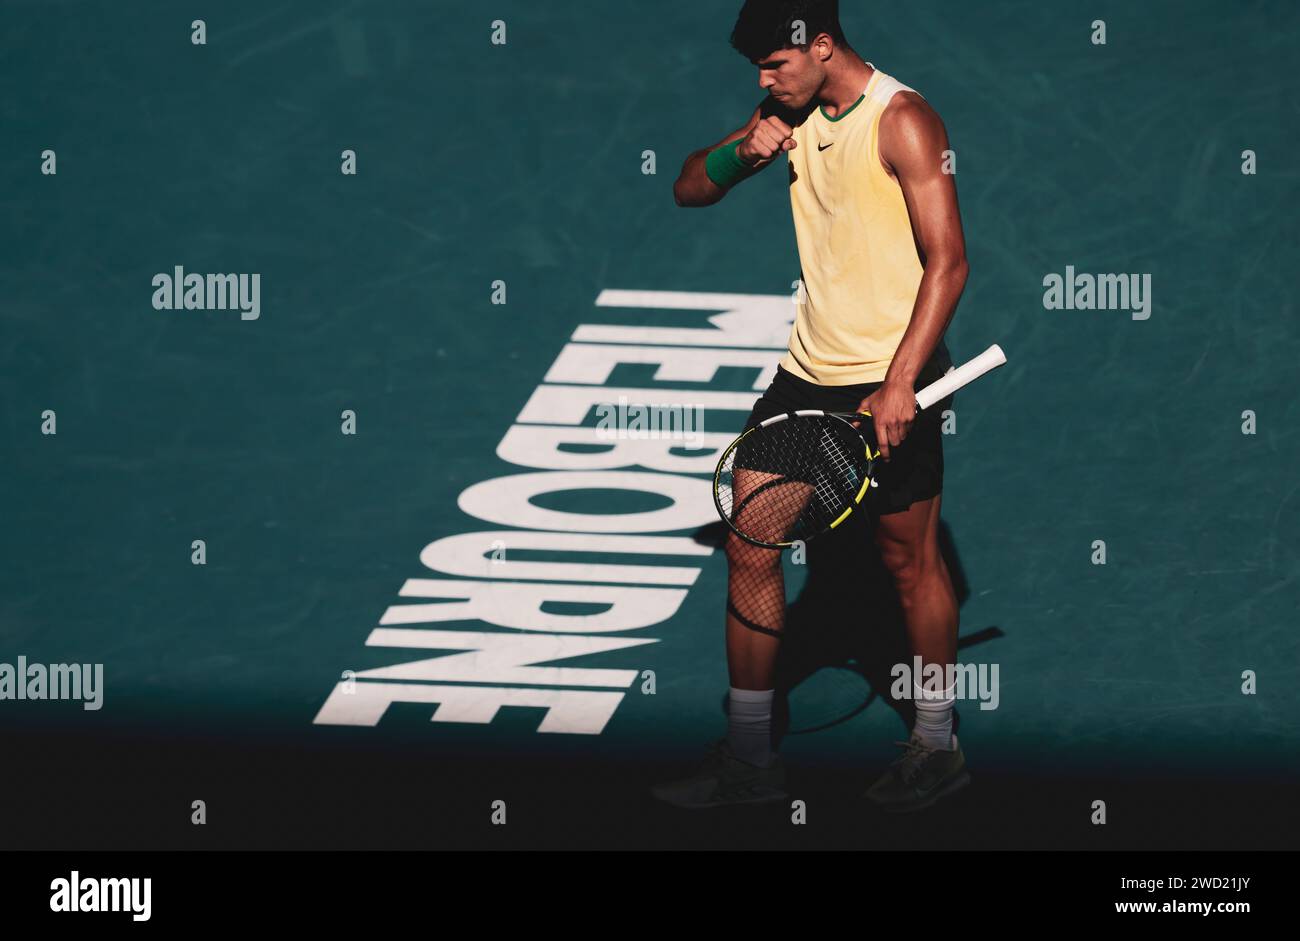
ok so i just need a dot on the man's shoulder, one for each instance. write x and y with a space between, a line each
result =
907 108
909 126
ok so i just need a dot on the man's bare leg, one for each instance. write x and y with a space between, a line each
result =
756 609
932 765
909 546
755 613
755 619
743 768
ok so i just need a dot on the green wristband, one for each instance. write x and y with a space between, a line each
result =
725 168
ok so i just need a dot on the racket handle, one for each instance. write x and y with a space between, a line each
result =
964 374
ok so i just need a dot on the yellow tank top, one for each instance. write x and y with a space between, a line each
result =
857 255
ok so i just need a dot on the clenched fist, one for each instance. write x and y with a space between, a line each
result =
770 137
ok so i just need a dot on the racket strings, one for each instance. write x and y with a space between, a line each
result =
790 480
838 468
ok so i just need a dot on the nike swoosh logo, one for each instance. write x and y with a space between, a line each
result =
821 148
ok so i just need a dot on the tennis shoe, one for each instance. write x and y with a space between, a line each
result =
920 776
723 780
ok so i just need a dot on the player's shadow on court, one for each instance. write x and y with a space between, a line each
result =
845 632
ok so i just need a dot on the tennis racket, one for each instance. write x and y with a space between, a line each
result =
801 474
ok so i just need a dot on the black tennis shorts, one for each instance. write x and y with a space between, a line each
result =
914 471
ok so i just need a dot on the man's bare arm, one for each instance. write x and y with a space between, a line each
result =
912 142
762 139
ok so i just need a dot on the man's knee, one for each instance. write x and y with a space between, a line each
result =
744 555
910 564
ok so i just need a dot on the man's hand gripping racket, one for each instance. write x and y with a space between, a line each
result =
798 475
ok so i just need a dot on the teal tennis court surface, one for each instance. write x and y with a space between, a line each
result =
382 639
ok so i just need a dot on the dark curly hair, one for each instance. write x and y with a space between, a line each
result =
765 26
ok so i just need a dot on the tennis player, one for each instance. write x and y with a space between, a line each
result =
883 264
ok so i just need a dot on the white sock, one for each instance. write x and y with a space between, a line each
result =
749 725
934 716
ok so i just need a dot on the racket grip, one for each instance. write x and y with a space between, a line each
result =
964 374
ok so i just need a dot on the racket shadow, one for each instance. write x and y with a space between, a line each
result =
845 632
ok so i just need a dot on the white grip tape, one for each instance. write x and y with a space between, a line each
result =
964 374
